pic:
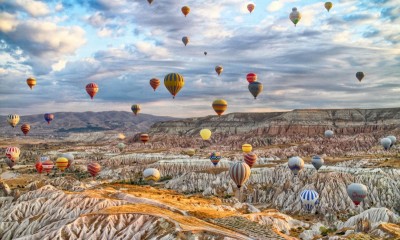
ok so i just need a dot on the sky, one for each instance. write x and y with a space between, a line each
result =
122 44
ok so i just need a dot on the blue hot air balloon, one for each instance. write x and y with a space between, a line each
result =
309 198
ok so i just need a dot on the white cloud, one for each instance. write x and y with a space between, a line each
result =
58 66
151 50
8 22
34 8
97 20
105 32
275 6
59 7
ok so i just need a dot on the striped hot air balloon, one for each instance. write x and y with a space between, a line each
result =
31 82
219 106
255 89
219 69
70 158
250 7
246 148
43 158
62 163
251 77
48 166
357 192
240 173
185 10
135 109
48 117
94 168
174 82
92 89
250 158
25 128
154 83
151 174
10 163
13 120
144 137
13 153
39 166
317 162
215 157
296 164
309 198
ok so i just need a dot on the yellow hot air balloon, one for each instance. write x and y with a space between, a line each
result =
121 136
174 82
13 120
191 152
185 10
62 163
205 134
31 82
247 148
328 6
219 106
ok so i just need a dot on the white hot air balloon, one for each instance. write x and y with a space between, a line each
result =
296 164
357 192
328 133
151 175
386 143
309 198
393 139
317 162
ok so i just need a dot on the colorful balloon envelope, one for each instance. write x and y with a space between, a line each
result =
328 133
174 82
360 76
295 16
215 157
246 148
219 69
135 108
94 168
144 137
357 192
386 143
219 106
255 89
251 77
25 128
328 6
191 152
296 164
31 82
62 163
70 158
13 153
48 165
48 117
13 120
39 166
92 89
317 162
151 174
309 198
154 83
10 163
43 158
185 40
121 136
250 159
250 7
205 134
239 173
121 146
185 10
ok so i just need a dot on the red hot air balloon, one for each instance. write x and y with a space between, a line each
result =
154 83
25 128
48 166
144 138
92 89
250 7
250 158
48 117
251 77
94 168
39 166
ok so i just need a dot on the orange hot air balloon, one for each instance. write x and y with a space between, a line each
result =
185 10
48 166
31 82
144 138
94 168
62 163
250 7
251 77
219 106
25 128
219 69
39 166
154 83
92 89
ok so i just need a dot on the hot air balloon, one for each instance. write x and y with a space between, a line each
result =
174 82
295 16
92 89
251 77
121 146
386 142
205 134
219 69
144 138
13 120
205 53
255 88
357 192
215 157
309 198
150 1
25 128
31 82
70 158
151 174
328 6
185 10
185 40
190 152
48 166
317 162
219 106
42 159
393 139
62 163
13 153
10 163
93 168
154 83
240 173
250 7
246 148
360 76
250 158
328 133
121 136
48 117
39 166
135 109
296 164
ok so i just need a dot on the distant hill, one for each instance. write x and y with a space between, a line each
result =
65 123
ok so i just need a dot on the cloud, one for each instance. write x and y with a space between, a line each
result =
32 7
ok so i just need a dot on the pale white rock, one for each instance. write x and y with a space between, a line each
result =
375 216
309 234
